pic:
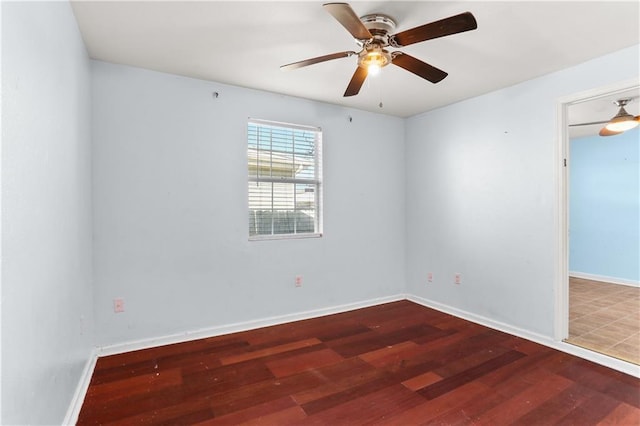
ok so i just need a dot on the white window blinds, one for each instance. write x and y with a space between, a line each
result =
285 177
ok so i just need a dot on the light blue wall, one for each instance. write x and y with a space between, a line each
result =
481 196
47 311
605 206
170 207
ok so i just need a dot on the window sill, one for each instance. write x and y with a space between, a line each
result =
283 237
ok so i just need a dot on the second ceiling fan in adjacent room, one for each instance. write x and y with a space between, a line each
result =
620 123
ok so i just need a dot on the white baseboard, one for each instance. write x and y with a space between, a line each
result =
614 363
241 326
613 280
73 411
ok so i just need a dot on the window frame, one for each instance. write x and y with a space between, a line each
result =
316 181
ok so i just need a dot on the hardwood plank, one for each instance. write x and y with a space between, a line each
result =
554 409
323 328
435 334
339 331
605 380
478 357
204 354
163 406
233 359
218 380
405 369
421 381
235 399
197 388
389 352
212 344
290 416
191 417
470 412
429 410
299 363
337 378
260 411
368 342
138 384
370 408
623 414
625 389
590 412
459 345
379 381
466 376
524 401
191 410
123 372
521 370
409 354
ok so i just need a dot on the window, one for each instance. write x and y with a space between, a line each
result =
285 172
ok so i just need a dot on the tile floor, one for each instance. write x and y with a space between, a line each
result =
605 318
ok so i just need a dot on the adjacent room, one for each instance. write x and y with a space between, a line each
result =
214 212
604 248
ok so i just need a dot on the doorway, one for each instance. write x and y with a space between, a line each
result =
591 309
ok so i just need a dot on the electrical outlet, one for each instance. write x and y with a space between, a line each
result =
457 278
298 280
430 277
118 305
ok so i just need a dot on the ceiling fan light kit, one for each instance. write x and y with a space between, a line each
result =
623 121
372 34
373 58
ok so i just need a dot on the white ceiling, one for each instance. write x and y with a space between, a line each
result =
244 43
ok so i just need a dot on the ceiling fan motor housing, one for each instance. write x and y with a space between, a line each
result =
373 52
380 26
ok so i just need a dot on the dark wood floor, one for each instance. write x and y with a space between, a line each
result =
397 363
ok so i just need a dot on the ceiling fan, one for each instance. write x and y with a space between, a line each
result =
371 33
620 123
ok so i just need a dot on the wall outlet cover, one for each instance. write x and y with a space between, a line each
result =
118 305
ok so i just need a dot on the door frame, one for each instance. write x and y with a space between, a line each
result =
562 160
